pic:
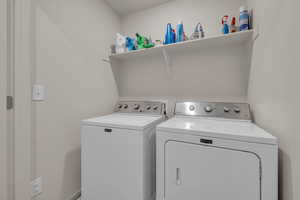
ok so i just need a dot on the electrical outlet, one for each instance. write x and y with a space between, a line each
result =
36 186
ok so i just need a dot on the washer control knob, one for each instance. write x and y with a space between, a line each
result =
192 108
148 107
226 109
136 106
125 106
119 106
208 109
237 109
155 107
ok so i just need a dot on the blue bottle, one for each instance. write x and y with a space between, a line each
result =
130 44
180 32
244 19
225 28
170 35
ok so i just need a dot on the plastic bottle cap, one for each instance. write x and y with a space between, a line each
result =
243 8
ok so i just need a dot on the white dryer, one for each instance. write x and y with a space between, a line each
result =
212 151
118 152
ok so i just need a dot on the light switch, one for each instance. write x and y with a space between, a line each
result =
38 93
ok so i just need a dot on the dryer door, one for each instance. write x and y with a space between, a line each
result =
198 172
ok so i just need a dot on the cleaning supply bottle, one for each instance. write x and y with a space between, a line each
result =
244 18
225 28
130 44
198 32
173 36
233 27
120 43
141 41
170 35
180 32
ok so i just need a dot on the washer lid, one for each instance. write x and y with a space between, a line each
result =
219 128
124 121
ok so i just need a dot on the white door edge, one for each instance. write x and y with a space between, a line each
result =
23 19
3 88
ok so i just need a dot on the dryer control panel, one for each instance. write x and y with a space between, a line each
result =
150 107
239 111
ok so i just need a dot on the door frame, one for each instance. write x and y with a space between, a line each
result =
3 93
23 20
21 48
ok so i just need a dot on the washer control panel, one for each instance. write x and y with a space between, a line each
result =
239 111
140 107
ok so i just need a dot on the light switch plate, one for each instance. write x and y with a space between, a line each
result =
36 186
38 93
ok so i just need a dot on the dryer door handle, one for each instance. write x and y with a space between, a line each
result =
107 130
206 141
178 176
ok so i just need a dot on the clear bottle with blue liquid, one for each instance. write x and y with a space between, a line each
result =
244 18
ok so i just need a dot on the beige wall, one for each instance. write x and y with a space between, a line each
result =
72 36
216 73
274 84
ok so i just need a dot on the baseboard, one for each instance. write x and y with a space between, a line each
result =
75 196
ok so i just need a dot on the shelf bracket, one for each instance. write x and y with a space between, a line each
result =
106 60
167 60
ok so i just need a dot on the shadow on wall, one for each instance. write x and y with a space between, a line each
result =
285 180
71 173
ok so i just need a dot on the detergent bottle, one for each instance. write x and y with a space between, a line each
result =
120 43
130 44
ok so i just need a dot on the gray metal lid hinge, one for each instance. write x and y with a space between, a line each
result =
9 102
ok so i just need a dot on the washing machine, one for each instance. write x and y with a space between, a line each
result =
212 151
118 152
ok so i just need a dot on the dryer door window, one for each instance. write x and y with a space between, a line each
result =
199 172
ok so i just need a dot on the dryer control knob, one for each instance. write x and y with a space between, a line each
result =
208 109
148 107
125 106
155 107
237 110
136 106
119 106
226 109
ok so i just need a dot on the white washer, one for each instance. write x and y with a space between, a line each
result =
118 152
213 151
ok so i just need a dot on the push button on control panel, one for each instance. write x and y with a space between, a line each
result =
192 108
